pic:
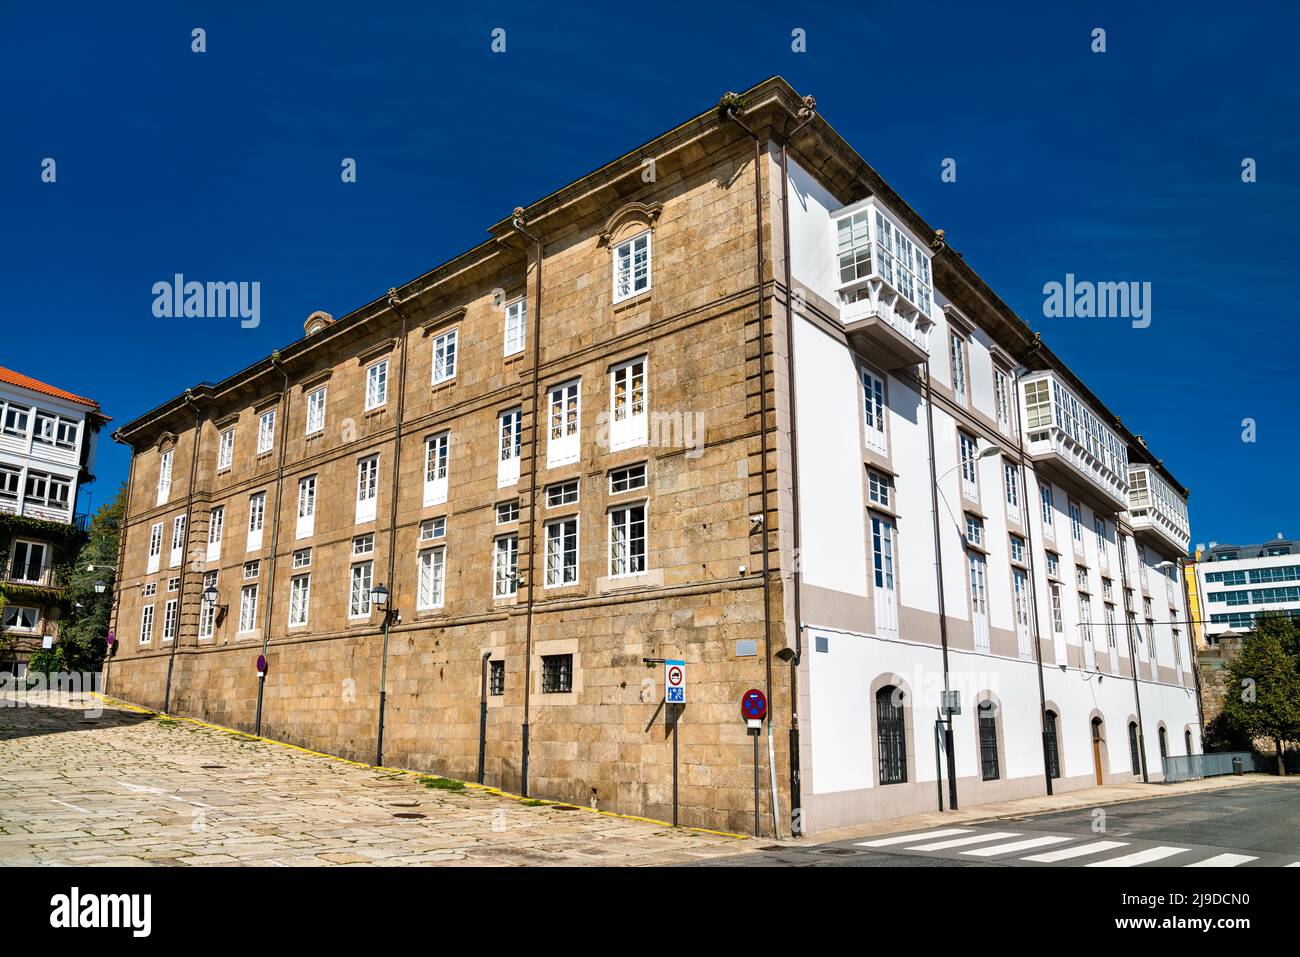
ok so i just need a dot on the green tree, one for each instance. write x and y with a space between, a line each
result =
83 632
1263 699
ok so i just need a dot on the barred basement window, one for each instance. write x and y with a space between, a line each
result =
497 677
1133 751
557 674
988 724
891 735
1049 742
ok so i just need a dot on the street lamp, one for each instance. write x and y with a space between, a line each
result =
209 594
100 587
379 597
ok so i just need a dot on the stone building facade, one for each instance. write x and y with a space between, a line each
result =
567 467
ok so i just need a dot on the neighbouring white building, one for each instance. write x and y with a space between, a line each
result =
1237 582
47 452
1057 536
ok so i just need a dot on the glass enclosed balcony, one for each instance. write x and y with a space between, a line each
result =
1070 444
883 285
1156 511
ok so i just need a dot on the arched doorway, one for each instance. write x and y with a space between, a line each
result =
1098 741
1187 739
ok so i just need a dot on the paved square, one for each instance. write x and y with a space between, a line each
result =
129 788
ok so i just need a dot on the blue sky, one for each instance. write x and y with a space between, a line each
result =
225 165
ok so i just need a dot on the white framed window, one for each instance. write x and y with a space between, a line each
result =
1049 512
155 547
51 429
48 490
23 617
362 577
505 566
879 486
444 356
630 478
216 528
247 609
627 540
433 529
169 620
302 558
164 477
226 449
252 569
299 600
509 435
15 420
266 431
516 322
433 574
1058 620
1085 632
316 411
562 493
148 589
363 545
174 583
1076 525
178 542
146 624
970 480
207 610
306 526
11 480
1110 624
437 454
979 598
1020 594
627 402
508 512
367 488
1053 564
256 520
1038 404
974 530
563 447
1081 578
562 552
873 399
882 570
1011 480
632 267
957 357
377 385
1017 548
29 562
1002 400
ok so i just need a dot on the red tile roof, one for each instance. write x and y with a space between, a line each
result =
26 382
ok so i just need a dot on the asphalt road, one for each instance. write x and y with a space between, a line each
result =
1255 826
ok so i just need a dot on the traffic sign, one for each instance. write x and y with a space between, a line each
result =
675 681
753 705
261 666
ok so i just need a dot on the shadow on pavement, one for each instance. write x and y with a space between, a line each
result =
18 719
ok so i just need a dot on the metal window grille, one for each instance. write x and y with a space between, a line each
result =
891 735
1053 752
557 674
988 742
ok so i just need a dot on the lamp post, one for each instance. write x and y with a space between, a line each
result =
100 587
379 598
482 713
949 745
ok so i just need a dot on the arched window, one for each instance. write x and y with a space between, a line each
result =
1164 744
1187 740
1049 743
1133 747
891 735
988 728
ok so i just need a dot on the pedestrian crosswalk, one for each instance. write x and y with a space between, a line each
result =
999 846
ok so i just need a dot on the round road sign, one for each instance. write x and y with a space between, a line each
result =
753 705
261 664
674 674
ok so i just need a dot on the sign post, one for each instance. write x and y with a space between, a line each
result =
753 707
261 683
674 698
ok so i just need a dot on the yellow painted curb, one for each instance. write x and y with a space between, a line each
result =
117 702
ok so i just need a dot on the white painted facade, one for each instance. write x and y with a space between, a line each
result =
849 649
46 467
